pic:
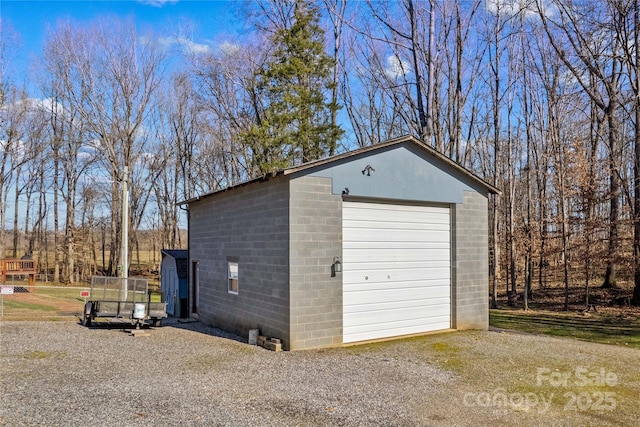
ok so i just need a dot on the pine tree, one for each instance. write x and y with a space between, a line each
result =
295 125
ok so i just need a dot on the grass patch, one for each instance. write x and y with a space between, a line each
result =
500 371
59 293
447 356
599 328
444 347
20 305
38 355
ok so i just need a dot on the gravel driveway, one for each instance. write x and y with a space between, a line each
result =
63 374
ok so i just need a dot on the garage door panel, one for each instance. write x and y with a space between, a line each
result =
400 287
398 329
409 297
396 270
393 312
366 272
426 301
360 294
377 223
387 246
378 260
414 314
397 252
366 235
395 276
357 224
394 213
424 322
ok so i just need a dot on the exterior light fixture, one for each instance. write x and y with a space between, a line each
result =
367 170
336 267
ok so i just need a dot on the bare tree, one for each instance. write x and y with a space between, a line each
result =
228 104
629 34
586 50
13 132
12 116
109 75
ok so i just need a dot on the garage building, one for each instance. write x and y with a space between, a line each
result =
385 241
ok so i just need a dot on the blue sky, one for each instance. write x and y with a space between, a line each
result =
209 22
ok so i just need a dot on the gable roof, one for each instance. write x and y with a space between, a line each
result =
396 141
372 148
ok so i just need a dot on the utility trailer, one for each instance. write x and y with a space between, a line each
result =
123 299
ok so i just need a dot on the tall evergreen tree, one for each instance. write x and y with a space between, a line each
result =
295 124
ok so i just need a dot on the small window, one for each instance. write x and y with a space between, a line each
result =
233 277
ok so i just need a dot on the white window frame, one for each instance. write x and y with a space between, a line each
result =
232 276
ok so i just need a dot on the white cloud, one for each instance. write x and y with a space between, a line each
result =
84 156
229 48
95 179
167 43
193 47
187 46
29 104
47 104
503 7
514 7
157 3
396 67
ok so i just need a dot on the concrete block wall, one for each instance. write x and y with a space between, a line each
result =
315 239
470 272
251 224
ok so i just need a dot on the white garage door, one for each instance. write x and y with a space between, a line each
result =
396 270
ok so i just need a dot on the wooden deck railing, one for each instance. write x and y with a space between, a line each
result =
18 267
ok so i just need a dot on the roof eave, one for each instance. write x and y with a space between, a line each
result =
318 163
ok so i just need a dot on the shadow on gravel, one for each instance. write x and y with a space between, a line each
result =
171 322
122 325
199 327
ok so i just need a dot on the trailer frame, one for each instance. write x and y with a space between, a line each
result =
123 299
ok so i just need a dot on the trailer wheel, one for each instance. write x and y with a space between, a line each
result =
157 323
86 315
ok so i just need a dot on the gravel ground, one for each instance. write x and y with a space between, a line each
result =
64 374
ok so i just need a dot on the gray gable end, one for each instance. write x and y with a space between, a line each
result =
401 169
400 172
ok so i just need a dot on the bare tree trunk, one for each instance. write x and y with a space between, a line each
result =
495 250
56 189
431 77
425 130
457 135
495 97
337 11
509 211
610 279
559 153
636 164
27 218
590 196
16 211
115 243
69 246
528 227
